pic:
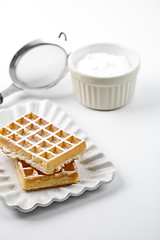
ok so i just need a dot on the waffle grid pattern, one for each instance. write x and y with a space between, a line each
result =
40 138
32 179
29 172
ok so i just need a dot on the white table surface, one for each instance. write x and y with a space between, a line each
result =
129 207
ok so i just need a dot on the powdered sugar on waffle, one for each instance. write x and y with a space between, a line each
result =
37 137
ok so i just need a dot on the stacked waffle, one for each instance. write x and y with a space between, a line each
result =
44 154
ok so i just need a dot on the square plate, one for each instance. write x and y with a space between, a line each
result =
93 167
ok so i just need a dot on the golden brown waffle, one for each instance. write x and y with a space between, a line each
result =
40 143
32 179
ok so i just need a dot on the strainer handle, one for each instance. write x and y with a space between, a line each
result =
11 89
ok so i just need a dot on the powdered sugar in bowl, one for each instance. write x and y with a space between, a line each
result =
104 75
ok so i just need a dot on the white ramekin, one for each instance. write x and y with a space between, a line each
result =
104 93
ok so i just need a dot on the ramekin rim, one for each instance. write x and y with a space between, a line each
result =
74 69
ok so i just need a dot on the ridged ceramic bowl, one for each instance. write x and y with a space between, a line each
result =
104 93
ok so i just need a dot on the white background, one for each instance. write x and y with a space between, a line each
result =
129 207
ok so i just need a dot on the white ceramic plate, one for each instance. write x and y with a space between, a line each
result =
94 169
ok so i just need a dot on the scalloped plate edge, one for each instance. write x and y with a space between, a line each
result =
35 205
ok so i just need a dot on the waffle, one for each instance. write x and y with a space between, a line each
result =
40 143
32 179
